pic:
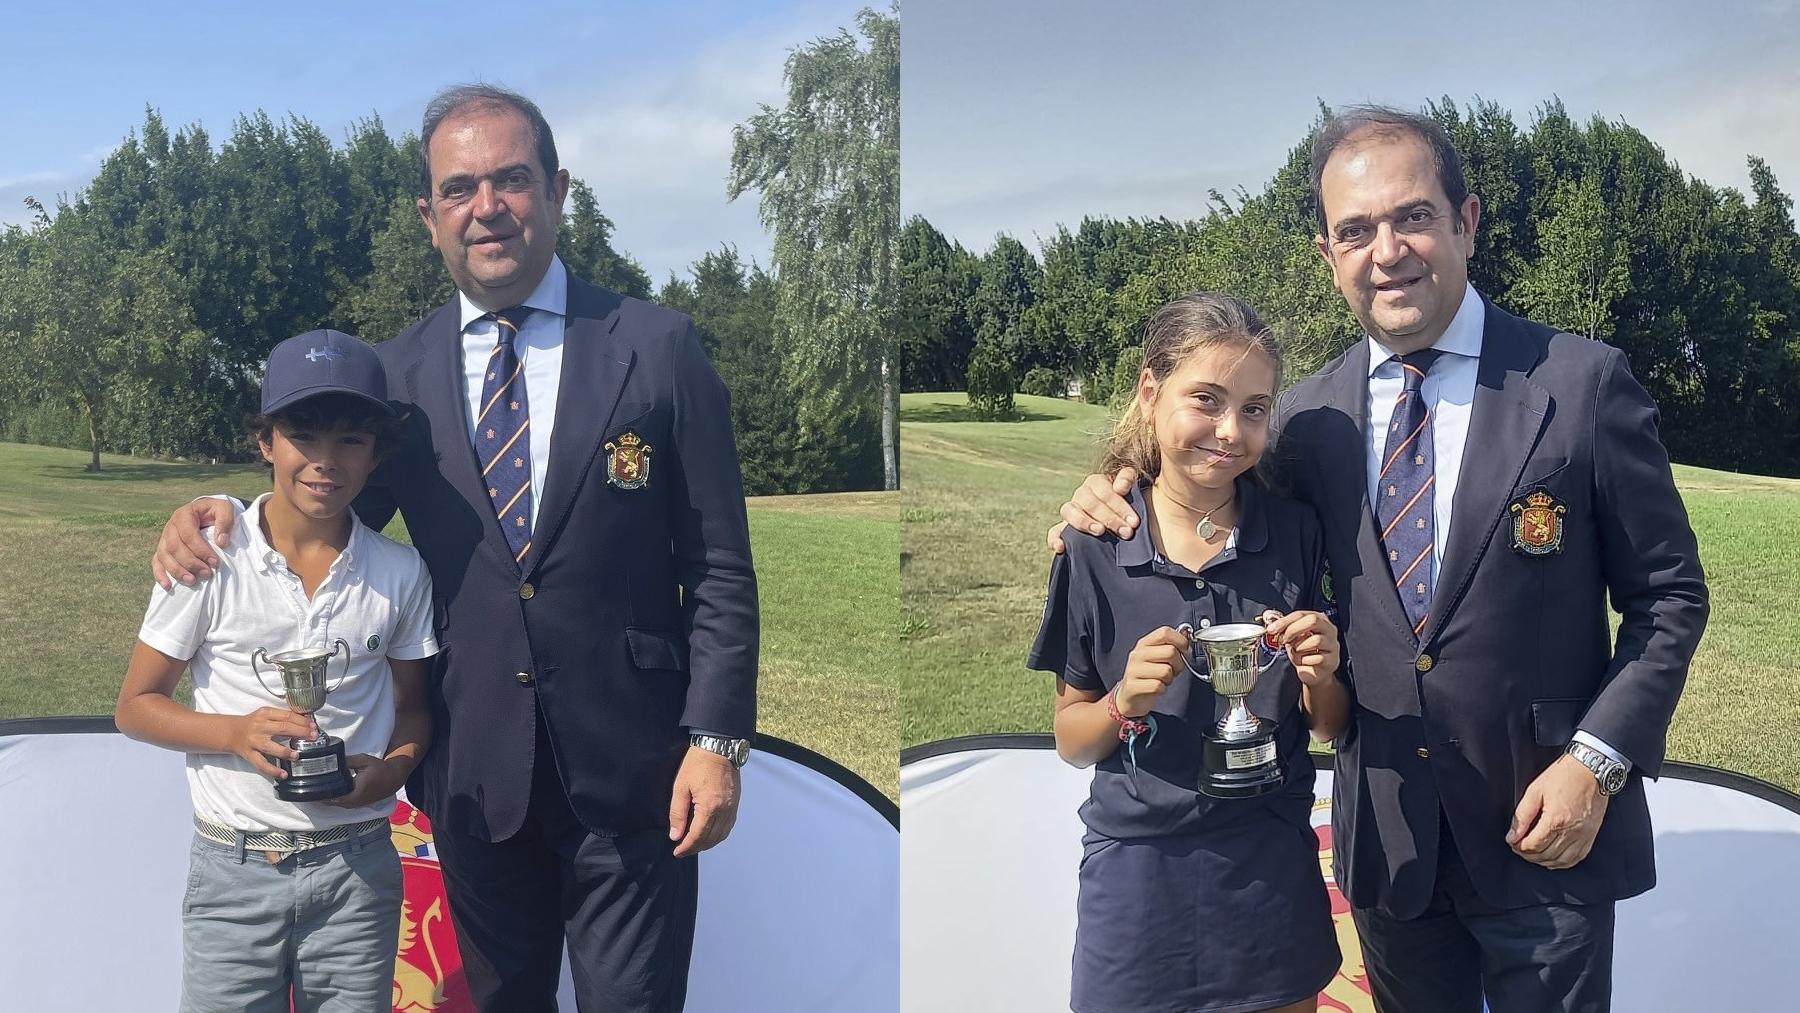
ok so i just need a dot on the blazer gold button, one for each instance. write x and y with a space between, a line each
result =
526 591
1424 754
1424 663
524 678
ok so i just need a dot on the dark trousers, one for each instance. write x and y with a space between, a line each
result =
1540 959
625 904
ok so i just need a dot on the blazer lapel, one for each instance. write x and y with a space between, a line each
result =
441 392
1508 413
1345 466
594 368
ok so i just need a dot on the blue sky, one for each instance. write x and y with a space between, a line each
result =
1019 114
642 96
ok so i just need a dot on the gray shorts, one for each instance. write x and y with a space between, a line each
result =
325 921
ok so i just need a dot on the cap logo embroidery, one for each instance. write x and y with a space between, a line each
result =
315 354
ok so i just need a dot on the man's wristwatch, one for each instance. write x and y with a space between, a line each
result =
735 750
1608 771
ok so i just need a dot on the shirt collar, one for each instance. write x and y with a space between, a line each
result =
550 296
265 555
1252 533
1462 337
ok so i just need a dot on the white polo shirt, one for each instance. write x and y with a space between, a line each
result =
376 597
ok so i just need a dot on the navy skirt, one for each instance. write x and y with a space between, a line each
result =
1226 921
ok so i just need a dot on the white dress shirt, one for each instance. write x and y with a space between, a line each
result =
539 345
1449 394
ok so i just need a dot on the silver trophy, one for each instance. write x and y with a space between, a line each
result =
1240 752
320 772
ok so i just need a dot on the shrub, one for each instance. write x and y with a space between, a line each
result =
1041 382
990 383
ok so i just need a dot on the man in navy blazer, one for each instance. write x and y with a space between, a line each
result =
1489 805
572 483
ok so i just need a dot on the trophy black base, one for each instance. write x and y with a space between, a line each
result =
319 774
1242 769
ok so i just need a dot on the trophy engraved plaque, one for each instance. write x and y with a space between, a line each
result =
1240 758
320 772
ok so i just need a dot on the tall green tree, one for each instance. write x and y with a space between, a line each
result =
584 241
406 277
1582 267
81 319
937 319
827 168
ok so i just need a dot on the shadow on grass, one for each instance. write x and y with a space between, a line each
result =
962 413
141 472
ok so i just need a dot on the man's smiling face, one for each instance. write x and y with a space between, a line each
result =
492 211
1398 251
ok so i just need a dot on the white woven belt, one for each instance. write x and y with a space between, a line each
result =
285 840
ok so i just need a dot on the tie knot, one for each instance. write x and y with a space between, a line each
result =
1414 366
509 320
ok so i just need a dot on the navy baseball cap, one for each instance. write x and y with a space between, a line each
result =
323 362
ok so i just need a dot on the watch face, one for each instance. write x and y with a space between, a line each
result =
1614 779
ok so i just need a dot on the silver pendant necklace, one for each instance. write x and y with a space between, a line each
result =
1206 528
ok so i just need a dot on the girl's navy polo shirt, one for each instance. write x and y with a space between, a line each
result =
1107 592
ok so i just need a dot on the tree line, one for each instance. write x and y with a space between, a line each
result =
1589 227
137 314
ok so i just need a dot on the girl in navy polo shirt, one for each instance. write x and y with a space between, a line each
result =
1188 902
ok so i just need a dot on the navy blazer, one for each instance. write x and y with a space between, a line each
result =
1516 654
633 618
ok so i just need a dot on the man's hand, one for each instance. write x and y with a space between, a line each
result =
705 805
1555 823
1098 506
375 780
181 553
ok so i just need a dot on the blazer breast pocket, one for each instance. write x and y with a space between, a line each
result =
1540 471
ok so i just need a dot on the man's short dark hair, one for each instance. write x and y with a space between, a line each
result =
1386 121
462 96
329 413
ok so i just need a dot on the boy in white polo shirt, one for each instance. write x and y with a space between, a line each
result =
300 895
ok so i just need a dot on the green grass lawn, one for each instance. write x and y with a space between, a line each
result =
74 555
978 497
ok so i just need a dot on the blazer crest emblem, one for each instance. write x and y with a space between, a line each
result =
1537 523
628 461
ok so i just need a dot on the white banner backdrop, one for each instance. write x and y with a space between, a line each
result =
798 909
992 843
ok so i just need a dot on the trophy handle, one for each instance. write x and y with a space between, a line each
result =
264 655
1187 630
335 644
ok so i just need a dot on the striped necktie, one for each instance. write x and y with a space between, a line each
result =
502 433
1404 492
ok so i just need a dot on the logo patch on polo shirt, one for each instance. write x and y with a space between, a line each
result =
628 461
1537 527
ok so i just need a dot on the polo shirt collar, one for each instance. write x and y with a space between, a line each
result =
550 296
265 555
1462 337
1251 534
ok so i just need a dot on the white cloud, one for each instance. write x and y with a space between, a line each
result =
657 148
